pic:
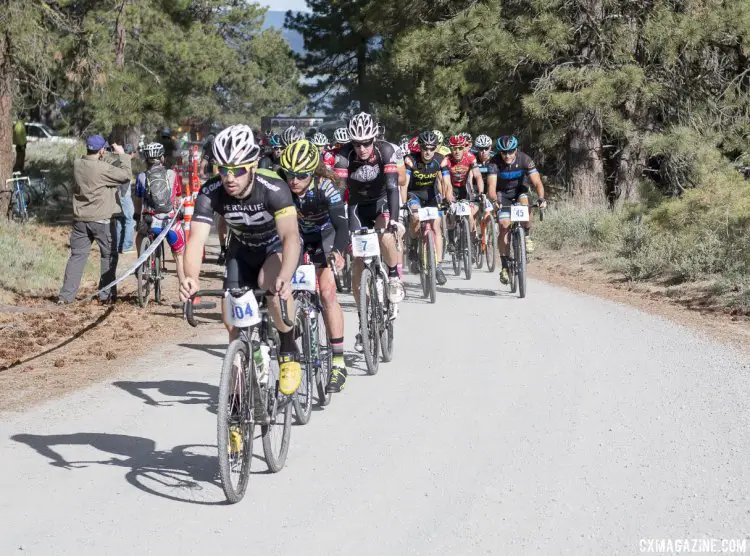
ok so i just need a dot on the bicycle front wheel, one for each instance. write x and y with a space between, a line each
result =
431 265
303 397
277 433
325 361
521 262
234 425
19 207
369 320
466 246
142 275
490 252
480 244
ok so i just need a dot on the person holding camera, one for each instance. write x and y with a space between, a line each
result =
95 210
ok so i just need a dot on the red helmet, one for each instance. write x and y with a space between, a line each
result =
457 140
414 145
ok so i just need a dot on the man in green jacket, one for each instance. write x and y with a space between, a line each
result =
94 205
19 140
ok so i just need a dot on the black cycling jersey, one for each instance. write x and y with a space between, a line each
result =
486 168
322 208
268 162
252 220
373 179
423 174
510 176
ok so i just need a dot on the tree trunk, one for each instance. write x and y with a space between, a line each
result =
630 164
585 166
125 135
7 81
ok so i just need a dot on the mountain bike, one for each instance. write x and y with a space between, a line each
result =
375 310
316 356
459 213
18 186
343 279
518 258
151 271
425 262
249 392
485 247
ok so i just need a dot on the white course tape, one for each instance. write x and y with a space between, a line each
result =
145 255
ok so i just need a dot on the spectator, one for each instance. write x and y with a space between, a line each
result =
19 140
125 222
94 211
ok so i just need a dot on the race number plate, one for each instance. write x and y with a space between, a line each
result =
462 208
487 205
243 311
365 245
428 213
304 278
519 213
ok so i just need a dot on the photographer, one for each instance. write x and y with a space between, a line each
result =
95 210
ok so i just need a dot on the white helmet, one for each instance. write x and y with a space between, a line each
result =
341 135
235 145
483 142
291 135
154 151
362 127
319 140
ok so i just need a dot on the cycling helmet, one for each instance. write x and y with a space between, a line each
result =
300 157
319 140
414 147
381 132
467 136
506 143
362 127
404 145
440 135
341 135
274 141
428 138
235 146
457 140
483 142
290 135
154 151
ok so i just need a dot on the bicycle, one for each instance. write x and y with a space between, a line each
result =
316 355
518 258
375 310
18 208
485 247
343 279
426 261
249 390
462 249
151 271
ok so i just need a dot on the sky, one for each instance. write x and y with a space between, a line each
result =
284 5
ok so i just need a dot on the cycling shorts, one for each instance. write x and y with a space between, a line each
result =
508 198
154 223
364 215
319 246
422 198
462 194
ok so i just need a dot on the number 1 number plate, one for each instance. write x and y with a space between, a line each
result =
428 213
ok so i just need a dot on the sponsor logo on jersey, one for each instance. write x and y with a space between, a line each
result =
366 173
268 184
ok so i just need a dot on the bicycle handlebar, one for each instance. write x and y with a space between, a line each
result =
190 317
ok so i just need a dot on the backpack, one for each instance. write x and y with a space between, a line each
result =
158 189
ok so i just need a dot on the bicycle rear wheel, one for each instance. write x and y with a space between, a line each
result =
370 327
142 275
303 397
234 424
18 208
521 262
325 361
466 246
277 433
491 244
157 272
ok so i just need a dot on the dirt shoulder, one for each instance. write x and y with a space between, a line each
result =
691 305
46 351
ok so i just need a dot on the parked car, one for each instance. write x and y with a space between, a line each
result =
40 132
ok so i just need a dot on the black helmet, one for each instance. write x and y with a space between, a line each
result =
428 138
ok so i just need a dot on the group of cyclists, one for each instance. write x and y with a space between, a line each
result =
293 194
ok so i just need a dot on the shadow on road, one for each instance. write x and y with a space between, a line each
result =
192 393
181 474
217 350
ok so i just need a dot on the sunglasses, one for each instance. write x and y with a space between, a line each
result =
363 144
297 175
429 148
236 171
484 149
508 153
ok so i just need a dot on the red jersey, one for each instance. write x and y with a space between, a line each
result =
329 159
460 170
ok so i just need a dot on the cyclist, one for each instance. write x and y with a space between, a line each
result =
508 168
291 135
424 172
324 229
321 142
469 142
442 149
264 248
156 191
341 138
461 164
371 173
271 160
207 168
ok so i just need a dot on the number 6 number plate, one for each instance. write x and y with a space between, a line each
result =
365 245
243 311
304 278
519 213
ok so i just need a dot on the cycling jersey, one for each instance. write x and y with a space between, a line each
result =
174 180
268 162
252 220
372 180
443 150
329 159
424 174
459 170
320 209
511 176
